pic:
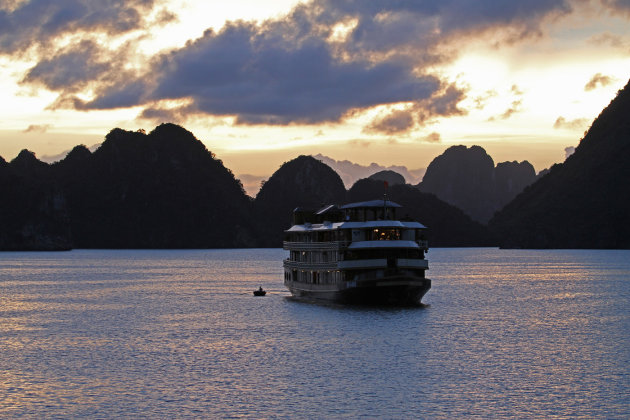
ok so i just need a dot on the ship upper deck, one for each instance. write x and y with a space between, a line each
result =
359 215
308 227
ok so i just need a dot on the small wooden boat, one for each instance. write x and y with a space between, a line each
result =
260 292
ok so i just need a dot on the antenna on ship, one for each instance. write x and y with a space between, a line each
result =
385 185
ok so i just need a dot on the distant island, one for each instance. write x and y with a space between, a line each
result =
467 178
164 189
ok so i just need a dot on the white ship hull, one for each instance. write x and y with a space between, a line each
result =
387 291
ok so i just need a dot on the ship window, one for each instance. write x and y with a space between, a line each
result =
385 234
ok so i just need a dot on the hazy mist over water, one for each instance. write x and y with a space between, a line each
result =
108 334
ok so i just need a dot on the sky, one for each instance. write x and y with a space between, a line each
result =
261 82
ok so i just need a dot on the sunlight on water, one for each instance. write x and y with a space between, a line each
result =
178 333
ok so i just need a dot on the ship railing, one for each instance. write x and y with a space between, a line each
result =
337 245
303 265
383 263
307 246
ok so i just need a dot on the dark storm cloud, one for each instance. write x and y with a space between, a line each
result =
38 22
162 114
121 95
284 70
71 68
382 20
261 77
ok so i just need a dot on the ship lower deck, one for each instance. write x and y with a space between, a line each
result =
394 290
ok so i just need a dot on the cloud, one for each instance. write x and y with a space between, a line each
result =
614 40
299 68
443 103
568 151
576 124
160 115
116 95
384 24
40 22
359 143
514 107
261 79
480 101
351 172
432 138
397 122
598 80
164 17
37 128
81 48
620 6
71 69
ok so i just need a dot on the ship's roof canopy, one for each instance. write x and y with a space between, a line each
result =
331 207
371 203
307 227
383 224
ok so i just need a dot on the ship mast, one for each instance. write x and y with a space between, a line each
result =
385 185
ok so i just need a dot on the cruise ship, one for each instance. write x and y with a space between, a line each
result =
357 253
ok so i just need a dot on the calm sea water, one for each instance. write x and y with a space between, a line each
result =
108 334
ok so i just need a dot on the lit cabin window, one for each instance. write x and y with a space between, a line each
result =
381 234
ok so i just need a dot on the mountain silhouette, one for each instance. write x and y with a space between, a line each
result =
467 178
166 190
301 182
583 202
158 190
510 178
33 214
391 177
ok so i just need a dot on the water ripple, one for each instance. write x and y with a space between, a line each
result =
108 334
